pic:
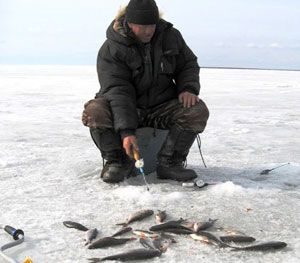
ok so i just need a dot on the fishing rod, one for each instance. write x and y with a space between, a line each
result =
267 171
139 164
18 236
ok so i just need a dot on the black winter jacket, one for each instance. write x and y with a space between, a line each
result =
136 75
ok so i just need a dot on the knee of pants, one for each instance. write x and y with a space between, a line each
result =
195 118
100 112
203 110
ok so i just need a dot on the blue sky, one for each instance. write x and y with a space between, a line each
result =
226 33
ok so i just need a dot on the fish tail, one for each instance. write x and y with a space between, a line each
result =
122 224
78 226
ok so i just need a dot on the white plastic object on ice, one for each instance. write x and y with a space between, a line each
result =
200 183
188 185
139 163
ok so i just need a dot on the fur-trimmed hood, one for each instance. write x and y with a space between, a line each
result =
119 31
120 16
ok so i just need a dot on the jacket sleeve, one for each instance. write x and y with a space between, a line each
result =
116 86
187 68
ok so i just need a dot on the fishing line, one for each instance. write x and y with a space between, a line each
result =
200 151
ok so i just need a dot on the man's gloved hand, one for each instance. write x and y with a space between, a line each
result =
188 99
91 115
130 144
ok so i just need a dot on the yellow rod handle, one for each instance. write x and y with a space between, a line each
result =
28 260
136 155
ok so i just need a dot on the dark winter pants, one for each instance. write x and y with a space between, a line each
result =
165 116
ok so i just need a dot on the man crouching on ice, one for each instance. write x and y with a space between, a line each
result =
149 77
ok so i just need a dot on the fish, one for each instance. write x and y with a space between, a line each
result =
122 231
161 244
179 231
169 224
199 226
168 237
90 235
229 231
188 224
202 239
263 246
145 234
160 216
71 224
108 242
207 237
210 238
237 238
137 216
147 243
135 254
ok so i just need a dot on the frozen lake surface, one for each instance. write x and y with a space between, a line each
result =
49 166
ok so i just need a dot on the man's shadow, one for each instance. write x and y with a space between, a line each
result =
248 177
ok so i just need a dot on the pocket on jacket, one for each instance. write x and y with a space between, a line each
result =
168 62
136 66
137 72
165 67
137 69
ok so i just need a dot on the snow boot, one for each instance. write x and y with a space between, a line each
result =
172 156
117 169
118 165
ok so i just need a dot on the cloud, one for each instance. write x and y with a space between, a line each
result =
296 46
35 29
222 45
271 45
253 45
275 45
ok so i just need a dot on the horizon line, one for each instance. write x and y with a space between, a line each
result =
251 68
201 67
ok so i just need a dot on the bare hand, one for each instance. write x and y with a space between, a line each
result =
188 99
130 144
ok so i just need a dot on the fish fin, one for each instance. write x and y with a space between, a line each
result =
119 233
144 242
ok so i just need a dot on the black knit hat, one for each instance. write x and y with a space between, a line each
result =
142 12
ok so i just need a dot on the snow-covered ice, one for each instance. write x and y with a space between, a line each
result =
49 166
